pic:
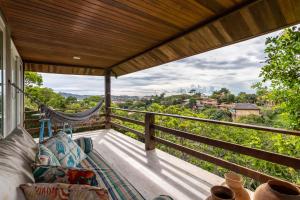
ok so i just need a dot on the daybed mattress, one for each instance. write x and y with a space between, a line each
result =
118 187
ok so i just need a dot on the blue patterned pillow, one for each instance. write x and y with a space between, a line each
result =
65 149
86 144
46 157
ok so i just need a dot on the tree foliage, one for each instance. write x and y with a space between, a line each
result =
32 79
282 70
223 96
47 96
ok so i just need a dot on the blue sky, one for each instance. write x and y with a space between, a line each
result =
235 67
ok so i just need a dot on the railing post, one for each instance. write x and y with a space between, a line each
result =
107 99
149 131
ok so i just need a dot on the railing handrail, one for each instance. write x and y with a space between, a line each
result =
249 151
234 124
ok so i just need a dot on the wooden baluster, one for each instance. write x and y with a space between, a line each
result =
107 99
149 131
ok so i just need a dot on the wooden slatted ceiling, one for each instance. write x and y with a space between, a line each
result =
128 36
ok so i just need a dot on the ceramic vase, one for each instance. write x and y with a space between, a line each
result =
236 183
221 193
277 190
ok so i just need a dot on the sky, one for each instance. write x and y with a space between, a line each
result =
235 67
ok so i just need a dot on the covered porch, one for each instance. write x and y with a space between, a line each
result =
112 39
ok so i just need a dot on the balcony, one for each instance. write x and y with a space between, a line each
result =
153 171
145 158
105 38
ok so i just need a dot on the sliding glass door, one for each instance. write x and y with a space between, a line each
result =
1 82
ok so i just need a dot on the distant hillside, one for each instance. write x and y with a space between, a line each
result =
78 96
113 97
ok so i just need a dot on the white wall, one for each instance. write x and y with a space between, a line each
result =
12 70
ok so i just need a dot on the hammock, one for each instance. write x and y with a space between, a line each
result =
61 117
56 116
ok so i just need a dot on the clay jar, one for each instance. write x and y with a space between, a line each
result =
221 193
277 190
236 183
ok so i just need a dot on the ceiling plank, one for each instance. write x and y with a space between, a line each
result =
129 36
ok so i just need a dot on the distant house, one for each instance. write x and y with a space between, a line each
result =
244 109
209 102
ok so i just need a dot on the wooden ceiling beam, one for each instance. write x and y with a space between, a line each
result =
57 68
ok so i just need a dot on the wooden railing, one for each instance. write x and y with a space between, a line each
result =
32 124
150 140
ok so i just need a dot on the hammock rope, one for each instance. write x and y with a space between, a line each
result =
59 117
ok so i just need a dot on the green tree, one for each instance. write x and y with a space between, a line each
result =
223 96
46 96
262 93
90 101
282 70
32 79
217 114
243 97
71 99
192 102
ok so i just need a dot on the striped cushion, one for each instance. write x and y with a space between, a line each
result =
118 187
86 144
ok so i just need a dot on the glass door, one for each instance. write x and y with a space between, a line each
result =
14 91
1 83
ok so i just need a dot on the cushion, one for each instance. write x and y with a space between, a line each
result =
62 191
86 144
24 142
58 174
17 153
45 157
68 153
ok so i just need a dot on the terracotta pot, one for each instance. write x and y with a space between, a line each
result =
221 193
236 183
277 190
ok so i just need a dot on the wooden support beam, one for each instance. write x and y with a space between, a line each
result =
149 131
107 84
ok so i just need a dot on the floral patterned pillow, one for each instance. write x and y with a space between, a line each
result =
58 174
65 149
62 191
45 157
